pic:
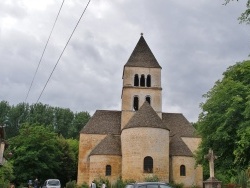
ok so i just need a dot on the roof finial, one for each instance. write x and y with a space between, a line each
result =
141 34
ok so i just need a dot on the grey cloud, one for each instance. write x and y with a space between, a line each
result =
194 42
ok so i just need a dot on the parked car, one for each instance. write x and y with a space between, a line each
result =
52 183
148 185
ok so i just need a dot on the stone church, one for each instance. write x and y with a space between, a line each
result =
139 141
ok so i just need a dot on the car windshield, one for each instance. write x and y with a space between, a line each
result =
53 182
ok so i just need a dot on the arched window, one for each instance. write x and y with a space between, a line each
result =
148 99
136 103
136 80
182 170
108 170
148 164
148 81
142 80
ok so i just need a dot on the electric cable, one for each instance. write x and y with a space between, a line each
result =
63 50
43 52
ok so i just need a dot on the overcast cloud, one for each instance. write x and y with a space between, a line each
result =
194 41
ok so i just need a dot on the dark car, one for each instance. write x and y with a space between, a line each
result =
148 185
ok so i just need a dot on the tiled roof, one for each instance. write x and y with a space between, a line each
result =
104 122
109 123
142 56
110 145
145 117
178 148
178 124
179 127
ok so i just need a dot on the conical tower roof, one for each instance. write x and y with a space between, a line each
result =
146 117
142 56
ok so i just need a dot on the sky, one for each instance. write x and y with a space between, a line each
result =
194 41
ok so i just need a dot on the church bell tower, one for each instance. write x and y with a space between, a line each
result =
141 82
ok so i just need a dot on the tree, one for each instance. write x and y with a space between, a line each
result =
60 120
15 117
63 121
224 123
69 158
245 16
42 114
4 109
6 174
36 151
78 123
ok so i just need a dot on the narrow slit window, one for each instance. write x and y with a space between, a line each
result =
136 80
136 103
148 99
142 80
148 164
182 170
108 170
149 81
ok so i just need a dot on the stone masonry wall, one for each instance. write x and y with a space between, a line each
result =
138 143
193 175
98 165
129 91
86 143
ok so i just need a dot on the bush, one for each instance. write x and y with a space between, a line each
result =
176 185
84 185
121 184
243 178
71 184
153 178
6 174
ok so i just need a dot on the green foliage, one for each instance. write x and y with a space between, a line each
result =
176 185
84 185
6 174
62 121
245 16
121 183
153 178
36 135
68 158
35 153
243 144
71 184
78 122
225 120
118 184
100 180
4 108
195 186
242 179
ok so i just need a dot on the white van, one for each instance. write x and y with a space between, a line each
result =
52 183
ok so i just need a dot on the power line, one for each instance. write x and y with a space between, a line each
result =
43 52
63 51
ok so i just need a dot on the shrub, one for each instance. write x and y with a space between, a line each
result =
176 185
84 185
153 178
121 184
71 184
